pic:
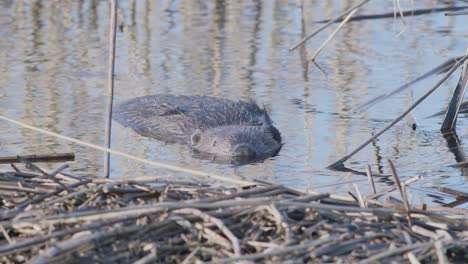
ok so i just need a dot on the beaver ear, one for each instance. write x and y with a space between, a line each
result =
196 137
243 151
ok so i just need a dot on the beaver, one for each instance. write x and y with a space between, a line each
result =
214 128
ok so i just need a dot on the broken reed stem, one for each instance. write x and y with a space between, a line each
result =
402 190
359 196
328 24
371 179
110 83
333 34
339 163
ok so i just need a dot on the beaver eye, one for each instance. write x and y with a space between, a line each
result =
214 143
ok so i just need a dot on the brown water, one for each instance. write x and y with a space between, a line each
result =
53 63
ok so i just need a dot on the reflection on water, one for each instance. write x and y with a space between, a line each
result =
53 58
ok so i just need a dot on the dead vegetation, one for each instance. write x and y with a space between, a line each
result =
52 217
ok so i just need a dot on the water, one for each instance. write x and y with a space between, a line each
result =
53 63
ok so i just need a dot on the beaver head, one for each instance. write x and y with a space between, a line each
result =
237 142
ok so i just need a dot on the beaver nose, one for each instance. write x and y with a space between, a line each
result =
243 151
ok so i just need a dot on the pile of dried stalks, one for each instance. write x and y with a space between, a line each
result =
56 218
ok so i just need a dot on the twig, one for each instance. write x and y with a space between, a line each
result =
370 178
359 196
340 162
110 83
328 24
401 188
333 34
